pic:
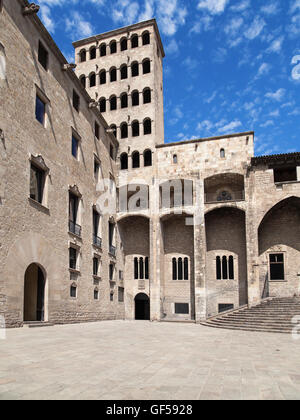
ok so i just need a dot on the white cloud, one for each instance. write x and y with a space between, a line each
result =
230 127
255 28
240 7
213 6
78 26
172 47
270 9
276 96
276 45
263 69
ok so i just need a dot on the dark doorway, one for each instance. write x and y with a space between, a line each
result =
142 307
34 294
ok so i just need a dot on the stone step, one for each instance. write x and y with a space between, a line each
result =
288 325
260 316
269 330
36 324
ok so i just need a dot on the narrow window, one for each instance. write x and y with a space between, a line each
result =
113 47
95 266
112 152
113 103
222 153
147 268
135 69
147 96
111 234
124 161
40 110
124 100
231 268
124 72
96 170
43 56
97 241
72 258
146 66
180 269
102 76
76 101
92 80
82 56
141 268
135 97
124 131
175 159
224 268
75 147
37 183
135 129
147 158
111 296
96 294
102 104
136 269
174 268
124 44
134 41
73 215
147 127
146 38
102 50
83 81
186 269
135 160
114 128
218 268
276 267
113 74
182 308
73 291
121 294
93 53
111 272
97 130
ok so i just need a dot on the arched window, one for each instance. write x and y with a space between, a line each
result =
186 269
231 268
102 76
135 126
146 38
135 160
102 50
124 100
146 66
135 98
113 47
113 74
114 128
135 69
141 268
218 268
147 96
147 158
134 41
224 268
83 80
175 159
92 80
147 126
124 130
136 268
180 269
93 53
124 161
124 44
174 268
82 56
113 103
124 72
102 104
222 153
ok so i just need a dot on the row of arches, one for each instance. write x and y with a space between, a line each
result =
136 160
112 48
135 128
124 100
112 72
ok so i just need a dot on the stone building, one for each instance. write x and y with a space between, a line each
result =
99 218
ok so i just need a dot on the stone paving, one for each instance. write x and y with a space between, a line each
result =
142 360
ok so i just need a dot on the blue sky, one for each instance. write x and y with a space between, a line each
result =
230 66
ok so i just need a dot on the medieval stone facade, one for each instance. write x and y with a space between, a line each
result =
99 219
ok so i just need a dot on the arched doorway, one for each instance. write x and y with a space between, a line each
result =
34 294
142 307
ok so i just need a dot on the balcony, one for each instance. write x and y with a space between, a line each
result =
224 196
112 250
97 241
74 228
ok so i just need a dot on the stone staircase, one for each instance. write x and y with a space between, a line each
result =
273 315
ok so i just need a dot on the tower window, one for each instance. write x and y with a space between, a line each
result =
134 41
93 53
102 76
135 129
124 44
124 161
135 69
135 97
147 96
124 72
124 100
124 131
113 103
82 56
102 104
102 50
113 47
43 56
135 160
147 158
92 80
113 74
146 66
147 127
83 81
146 38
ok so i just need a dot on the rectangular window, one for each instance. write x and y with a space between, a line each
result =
40 110
73 292
75 147
95 266
181 308
73 258
111 296
97 130
276 267
285 174
111 272
76 101
37 182
120 275
223 307
43 56
96 294
96 170
121 294
74 227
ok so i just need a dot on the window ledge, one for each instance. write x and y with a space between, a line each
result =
97 247
286 182
75 236
72 270
38 205
278 281
97 278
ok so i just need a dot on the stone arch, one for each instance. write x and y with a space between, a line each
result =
35 278
142 307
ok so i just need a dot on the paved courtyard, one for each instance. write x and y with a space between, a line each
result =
143 360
